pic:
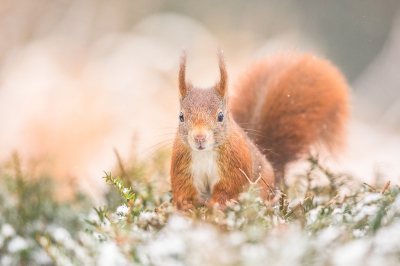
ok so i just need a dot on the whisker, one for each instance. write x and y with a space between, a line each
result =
250 129
158 149
159 128
246 123
159 135
254 134
155 145
265 149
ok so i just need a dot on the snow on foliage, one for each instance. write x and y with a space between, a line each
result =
358 228
339 222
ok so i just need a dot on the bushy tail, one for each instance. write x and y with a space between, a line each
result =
290 103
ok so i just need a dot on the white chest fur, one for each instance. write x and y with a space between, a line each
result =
205 172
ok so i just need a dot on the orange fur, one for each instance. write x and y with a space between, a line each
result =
294 101
234 155
297 102
185 194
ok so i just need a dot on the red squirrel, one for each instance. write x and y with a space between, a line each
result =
292 102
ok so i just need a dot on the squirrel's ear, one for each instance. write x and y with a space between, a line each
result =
183 88
222 85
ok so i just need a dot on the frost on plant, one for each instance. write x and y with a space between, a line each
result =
323 225
322 219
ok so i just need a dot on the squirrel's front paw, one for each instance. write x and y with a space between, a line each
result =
216 205
185 205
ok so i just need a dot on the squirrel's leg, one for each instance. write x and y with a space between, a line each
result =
234 162
185 194
228 187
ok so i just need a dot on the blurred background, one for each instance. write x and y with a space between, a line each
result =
81 79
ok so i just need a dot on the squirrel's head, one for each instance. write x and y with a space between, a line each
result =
203 118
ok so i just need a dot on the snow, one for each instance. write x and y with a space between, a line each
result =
110 254
396 204
147 216
6 260
359 233
236 238
387 239
313 214
365 211
123 210
42 258
327 236
371 198
353 253
167 246
177 223
61 235
253 254
7 230
17 244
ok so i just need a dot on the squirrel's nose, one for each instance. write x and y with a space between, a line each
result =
200 138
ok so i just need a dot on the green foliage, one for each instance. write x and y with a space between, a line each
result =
29 209
126 193
339 209
315 222
146 179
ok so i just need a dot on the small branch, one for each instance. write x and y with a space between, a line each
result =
385 187
292 210
374 189
251 182
269 187
331 200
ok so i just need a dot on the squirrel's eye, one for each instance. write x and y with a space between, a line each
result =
220 117
181 117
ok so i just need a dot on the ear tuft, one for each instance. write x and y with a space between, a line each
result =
222 85
183 88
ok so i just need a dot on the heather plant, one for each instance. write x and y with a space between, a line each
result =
30 210
338 222
323 218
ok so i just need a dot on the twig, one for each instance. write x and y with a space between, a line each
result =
120 164
385 187
275 199
292 210
251 182
370 186
269 187
298 205
331 200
